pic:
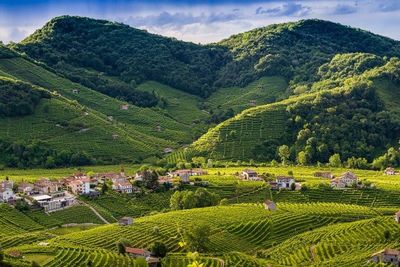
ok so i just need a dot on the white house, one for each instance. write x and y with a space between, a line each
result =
79 186
285 181
249 174
6 194
122 185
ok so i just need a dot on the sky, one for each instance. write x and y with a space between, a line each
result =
200 21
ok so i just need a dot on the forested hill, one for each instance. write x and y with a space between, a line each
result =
296 50
88 51
133 55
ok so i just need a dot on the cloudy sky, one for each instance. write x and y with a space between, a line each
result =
200 21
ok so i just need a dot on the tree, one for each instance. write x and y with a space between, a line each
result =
284 153
292 186
35 264
21 205
206 198
302 158
121 244
335 161
104 188
386 234
198 237
141 262
159 249
150 180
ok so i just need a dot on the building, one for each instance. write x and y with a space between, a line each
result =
6 194
269 205
249 174
285 182
124 221
45 186
390 171
7 184
168 150
347 179
273 185
79 185
185 174
139 176
125 107
387 256
137 252
397 216
122 185
53 203
75 91
152 261
327 175
25 188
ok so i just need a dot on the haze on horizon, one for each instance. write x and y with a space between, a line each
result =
199 22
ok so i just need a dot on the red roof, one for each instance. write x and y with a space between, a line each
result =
136 251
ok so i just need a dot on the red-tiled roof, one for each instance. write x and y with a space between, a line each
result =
136 251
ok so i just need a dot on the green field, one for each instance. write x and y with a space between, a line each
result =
312 227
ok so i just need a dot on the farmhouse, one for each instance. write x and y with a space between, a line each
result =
347 179
122 185
25 188
124 221
249 174
269 205
137 252
387 256
327 175
45 186
397 216
390 171
284 181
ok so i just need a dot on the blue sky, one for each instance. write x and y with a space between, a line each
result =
200 21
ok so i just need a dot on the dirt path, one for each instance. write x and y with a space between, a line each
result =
95 212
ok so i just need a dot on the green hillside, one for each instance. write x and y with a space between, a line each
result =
322 123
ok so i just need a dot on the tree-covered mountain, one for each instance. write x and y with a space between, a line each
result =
319 79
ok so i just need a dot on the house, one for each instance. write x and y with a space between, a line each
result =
269 205
115 136
125 107
390 171
285 181
122 185
249 174
125 221
25 188
75 91
327 175
158 128
185 174
7 184
345 180
79 185
6 194
387 256
139 176
45 186
137 252
168 150
397 216
253 102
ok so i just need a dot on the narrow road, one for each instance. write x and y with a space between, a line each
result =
95 211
